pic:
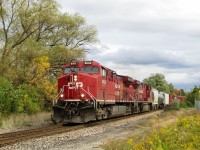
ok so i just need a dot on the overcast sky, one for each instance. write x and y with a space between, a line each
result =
142 37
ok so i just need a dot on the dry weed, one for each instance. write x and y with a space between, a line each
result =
25 121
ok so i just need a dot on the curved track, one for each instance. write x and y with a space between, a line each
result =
19 136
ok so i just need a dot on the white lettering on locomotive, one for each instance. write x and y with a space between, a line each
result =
117 86
103 81
75 85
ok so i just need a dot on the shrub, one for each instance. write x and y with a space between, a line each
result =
48 91
192 96
173 106
7 96
183 104
28 99
184 135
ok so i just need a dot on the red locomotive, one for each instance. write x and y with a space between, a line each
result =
89 91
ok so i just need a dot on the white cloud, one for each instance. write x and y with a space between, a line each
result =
139 38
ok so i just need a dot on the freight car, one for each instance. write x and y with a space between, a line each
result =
89 91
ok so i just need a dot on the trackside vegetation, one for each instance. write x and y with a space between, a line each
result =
164 134
185 134
23 99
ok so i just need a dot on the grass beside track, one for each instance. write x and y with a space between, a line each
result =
24 121
153 132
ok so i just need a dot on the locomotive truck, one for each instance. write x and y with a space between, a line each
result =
89 91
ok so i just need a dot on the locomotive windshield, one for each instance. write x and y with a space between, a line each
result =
90 69
86 69
71 70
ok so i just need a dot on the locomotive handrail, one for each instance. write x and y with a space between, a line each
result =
57 96
61 91
91 96
132 97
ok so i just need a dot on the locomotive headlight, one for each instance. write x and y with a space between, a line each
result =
75 78
82 95
61 95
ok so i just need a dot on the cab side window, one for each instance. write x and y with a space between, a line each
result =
104 72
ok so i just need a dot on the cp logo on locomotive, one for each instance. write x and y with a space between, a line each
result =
75 85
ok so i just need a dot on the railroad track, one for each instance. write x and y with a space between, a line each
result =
19 136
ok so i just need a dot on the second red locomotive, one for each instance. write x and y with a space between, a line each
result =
89 91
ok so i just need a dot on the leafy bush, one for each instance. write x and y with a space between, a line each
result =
183 104
48 91
25 98
184 135
28 99
192 96
173 106
7 96
177 105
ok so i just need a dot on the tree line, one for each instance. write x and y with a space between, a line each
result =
36 39
159 82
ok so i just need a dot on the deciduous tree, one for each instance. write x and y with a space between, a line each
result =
38 27
159 82
193 95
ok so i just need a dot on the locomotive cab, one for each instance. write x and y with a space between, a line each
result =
77 81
